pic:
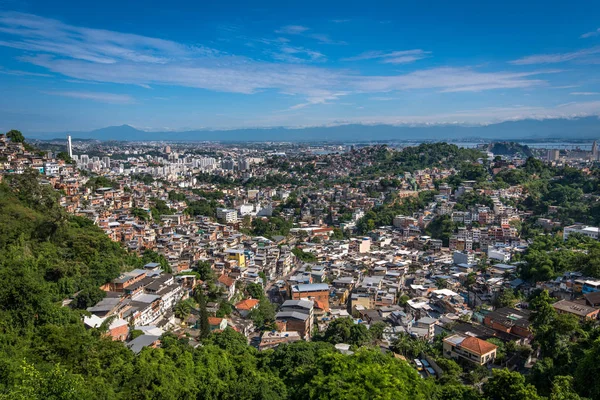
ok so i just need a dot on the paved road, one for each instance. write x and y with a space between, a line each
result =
274 296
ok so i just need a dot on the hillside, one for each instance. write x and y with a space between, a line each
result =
46 353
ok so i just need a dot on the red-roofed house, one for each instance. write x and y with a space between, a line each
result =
217 323
245 306
228 283
469 348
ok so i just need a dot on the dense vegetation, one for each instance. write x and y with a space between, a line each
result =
510 149
426 155
384 215
549 256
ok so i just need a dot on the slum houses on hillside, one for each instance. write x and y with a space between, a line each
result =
415 284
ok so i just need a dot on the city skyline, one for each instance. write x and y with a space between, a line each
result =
230 66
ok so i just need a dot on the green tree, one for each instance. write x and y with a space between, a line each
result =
56 384
255 290
15 136
562 389
507 385
376 330
88 297
183 309
205 271
204 325
263 315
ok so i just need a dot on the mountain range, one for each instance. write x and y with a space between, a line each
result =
567 129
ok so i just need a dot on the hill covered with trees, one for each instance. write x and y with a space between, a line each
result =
46 353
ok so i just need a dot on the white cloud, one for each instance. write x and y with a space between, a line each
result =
584 93
93 55
325 39
448 79
394 57
45 35
482 116
591 34
382 98
292 29
110 98
557 57
297 54
304 31
22 73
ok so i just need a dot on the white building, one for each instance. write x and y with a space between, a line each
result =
246 209
227 215
460 257
589 231
498 254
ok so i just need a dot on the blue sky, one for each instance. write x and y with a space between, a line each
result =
72 65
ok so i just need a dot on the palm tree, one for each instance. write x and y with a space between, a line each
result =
183 309
402 344
105 325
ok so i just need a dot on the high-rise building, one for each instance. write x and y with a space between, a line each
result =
168 149
69 146
106 162
553 154
227 215
228 164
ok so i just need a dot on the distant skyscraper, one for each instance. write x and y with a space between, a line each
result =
228 164
70 147
553 154
168 149
595 150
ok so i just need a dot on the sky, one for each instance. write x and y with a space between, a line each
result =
181 65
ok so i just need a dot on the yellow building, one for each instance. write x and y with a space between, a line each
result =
238 256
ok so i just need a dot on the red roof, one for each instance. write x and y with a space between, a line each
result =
226 280
319 304
247 304
214 321
477 346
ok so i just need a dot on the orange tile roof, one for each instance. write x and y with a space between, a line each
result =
247 304
214 321
477 346
319 304
226 280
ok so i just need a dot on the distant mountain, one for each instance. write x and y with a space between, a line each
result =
570 129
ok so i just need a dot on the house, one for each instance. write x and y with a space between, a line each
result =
428 324
272 339
117 330
245 306
582 311
228 284
469 348
302 325
137 344
318 292
509 320
217 323
592 299
294 321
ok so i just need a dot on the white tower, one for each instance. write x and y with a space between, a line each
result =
69 147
